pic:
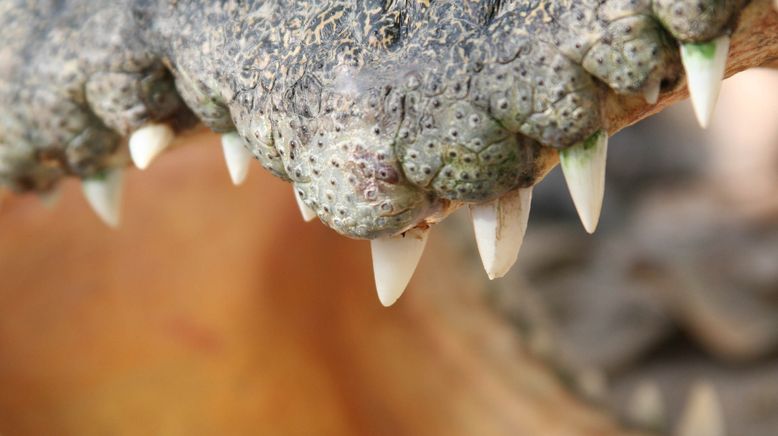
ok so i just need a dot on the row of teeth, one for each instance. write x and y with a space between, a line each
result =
702 414
499 225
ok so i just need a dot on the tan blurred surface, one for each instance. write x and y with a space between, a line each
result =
215 310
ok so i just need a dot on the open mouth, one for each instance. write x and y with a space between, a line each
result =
557 81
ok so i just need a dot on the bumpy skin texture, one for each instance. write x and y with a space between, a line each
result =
74 78
381 112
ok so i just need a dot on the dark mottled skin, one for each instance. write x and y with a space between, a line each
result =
381 112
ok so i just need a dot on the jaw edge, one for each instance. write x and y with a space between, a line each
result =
499 225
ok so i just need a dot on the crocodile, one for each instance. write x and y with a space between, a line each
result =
384 115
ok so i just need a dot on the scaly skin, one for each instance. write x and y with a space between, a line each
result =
383 114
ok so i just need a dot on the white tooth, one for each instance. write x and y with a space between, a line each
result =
50 198
104 194
702 415
651 93
646 406
238 158
584 168
499 230
307 213
148 142
704 64
394 261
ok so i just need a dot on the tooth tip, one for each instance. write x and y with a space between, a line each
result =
702 415
394 262
389 293
499 227
651 93
237 157
104 196
702 115
583 166
140 164
148 142
307 213
646 406
705 66
387 298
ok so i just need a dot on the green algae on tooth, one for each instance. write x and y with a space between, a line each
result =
148 142
307 213
702 415
236 156
583 166
499 227
705 64
394 261
104 194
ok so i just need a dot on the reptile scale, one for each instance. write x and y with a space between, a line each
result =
385 115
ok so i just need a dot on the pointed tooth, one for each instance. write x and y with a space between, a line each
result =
651 92
584 168
307 213
499 230
50 198
646 406
238 158
394 261
705 64
104 194
702 415
148 142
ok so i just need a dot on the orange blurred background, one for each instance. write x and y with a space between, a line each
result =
216 310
